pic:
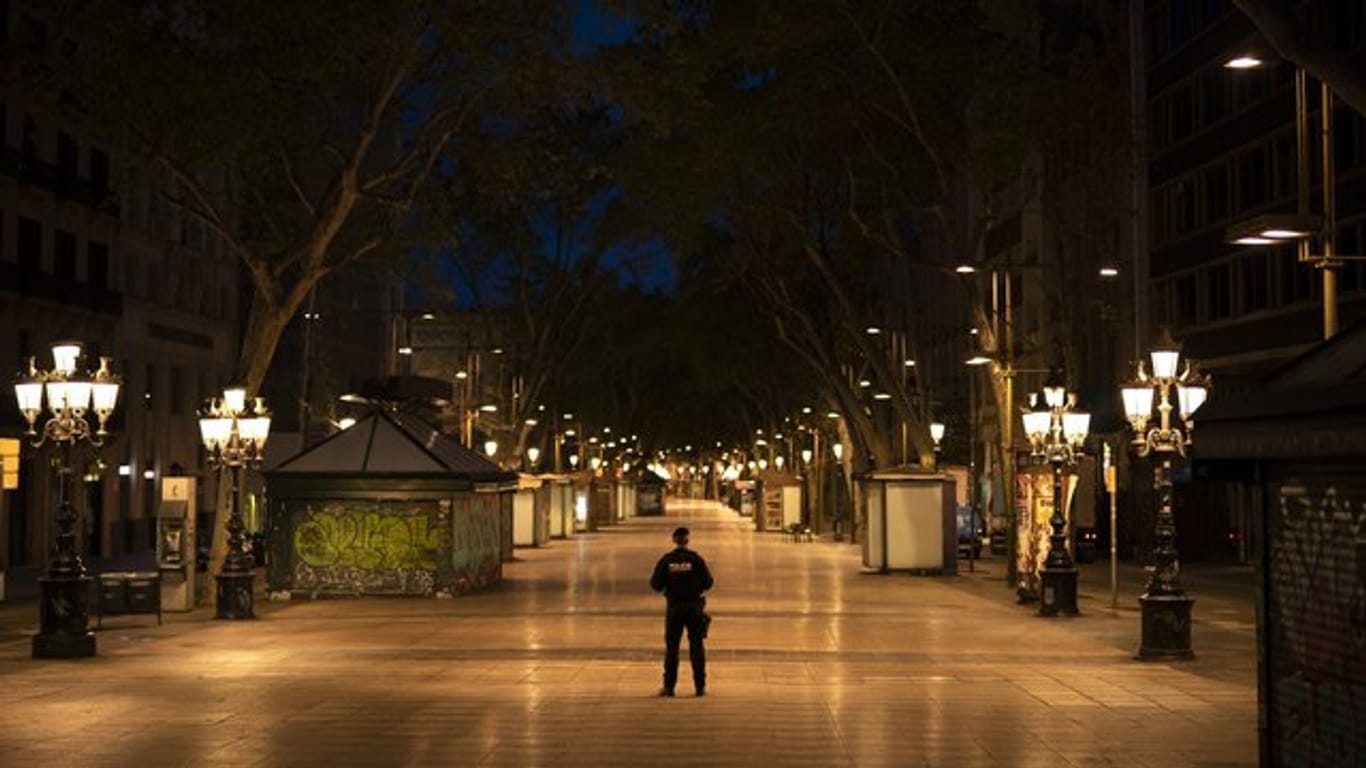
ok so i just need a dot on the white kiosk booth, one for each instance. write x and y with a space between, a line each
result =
912 522
560 490
530 514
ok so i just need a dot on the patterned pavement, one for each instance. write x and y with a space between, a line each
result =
810 662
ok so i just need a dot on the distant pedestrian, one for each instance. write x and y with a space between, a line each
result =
683 577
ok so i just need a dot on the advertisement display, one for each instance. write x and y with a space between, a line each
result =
1033 509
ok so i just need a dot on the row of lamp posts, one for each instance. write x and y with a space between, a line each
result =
234 433
1169 395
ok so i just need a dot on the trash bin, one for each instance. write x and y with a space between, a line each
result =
129 592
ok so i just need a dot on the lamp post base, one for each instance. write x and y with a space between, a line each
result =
235 595
64 616
1059 592
1166 628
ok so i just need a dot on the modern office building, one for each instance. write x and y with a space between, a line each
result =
1222 149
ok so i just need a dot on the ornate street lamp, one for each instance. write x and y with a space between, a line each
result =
1166 609
70 394
234 434
1056 431
532 455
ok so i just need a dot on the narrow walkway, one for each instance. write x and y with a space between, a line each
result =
810 662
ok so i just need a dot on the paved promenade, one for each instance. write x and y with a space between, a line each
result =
810 664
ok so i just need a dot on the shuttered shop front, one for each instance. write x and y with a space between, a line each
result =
1314 609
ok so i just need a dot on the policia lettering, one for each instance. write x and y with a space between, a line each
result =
683 577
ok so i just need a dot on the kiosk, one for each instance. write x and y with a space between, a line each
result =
912 523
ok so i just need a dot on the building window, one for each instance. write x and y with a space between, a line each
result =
64 257
1214 98
1187 300
30 247
1183 113
1184 200
1348 243
99 170
66 159
1296 283
1219 291
1216 194
1255 280
1284 166
1252 178
97 266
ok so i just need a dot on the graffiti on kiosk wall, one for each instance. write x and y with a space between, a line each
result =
1318 625
367 547
475 544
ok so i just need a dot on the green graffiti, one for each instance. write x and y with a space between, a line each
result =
475 543
367 539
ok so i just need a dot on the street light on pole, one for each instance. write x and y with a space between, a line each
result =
1056 430
64 589
234 435
1303 227
1166 608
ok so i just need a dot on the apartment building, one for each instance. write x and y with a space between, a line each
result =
92 249
1221 149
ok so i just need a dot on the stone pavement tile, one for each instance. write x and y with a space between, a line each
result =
811 664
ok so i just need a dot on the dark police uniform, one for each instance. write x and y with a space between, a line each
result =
682 576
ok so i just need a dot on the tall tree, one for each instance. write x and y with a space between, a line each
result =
822 135
517 233
300 133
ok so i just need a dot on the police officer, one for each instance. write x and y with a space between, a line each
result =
683 577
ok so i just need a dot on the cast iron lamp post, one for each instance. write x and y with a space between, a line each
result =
234 435
1056 431
1166 609
65 589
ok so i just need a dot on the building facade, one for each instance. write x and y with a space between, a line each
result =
1222 149
92 249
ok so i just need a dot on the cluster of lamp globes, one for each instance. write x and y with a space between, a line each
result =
233 430
70 394
1056 427
1192 388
